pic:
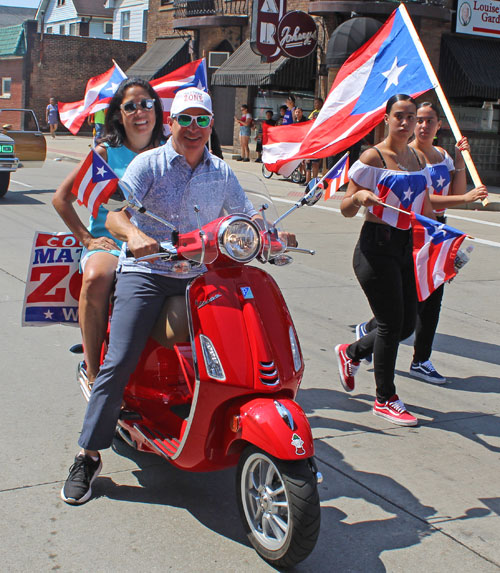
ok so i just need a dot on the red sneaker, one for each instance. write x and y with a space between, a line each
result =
395 411
347 367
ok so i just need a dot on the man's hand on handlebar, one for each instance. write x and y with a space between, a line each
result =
141 245
288 238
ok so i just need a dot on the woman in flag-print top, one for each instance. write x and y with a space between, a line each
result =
449 188
391 173
132 126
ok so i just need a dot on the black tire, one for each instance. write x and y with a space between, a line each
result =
266 173
297 176
279 506
4 182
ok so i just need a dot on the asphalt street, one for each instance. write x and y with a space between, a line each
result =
393 499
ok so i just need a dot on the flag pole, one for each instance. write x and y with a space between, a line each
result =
328 173
442 98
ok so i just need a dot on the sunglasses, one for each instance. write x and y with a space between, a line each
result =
185 120
131 106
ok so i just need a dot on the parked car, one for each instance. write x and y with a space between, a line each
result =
22 143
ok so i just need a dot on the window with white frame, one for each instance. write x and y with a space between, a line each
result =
49 30
62 29
72 29
6 83
108 28
125 26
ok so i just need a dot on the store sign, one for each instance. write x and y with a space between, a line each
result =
479 17
297 34
264 33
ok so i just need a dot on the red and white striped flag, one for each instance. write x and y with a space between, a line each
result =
193 74
435 247
336 177
95 183
98 93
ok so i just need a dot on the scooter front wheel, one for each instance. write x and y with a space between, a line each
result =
279 506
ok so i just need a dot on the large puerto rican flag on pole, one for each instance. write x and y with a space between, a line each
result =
98 93
192 75
393 61
435 247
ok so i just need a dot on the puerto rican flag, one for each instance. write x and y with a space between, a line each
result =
336 177
435 246
405 191
95 182
192 75
98 93
393 61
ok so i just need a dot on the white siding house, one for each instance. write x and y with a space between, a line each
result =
76 18
130 21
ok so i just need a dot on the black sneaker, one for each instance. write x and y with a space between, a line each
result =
82 473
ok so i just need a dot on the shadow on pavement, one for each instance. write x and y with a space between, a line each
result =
24 197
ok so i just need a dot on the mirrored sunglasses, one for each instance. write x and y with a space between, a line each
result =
132 106
185 120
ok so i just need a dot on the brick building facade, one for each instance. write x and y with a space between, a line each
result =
60 66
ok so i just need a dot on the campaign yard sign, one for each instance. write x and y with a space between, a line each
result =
54 281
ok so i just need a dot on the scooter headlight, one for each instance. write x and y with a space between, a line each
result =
239 239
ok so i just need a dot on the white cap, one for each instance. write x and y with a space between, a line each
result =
190 97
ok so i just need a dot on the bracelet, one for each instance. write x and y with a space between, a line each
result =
462 169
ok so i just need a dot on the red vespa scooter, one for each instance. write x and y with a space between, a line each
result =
226 398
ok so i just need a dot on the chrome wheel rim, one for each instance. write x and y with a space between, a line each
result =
265 502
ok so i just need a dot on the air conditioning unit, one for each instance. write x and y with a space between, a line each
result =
216 59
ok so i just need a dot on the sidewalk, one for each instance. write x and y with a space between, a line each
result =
75 148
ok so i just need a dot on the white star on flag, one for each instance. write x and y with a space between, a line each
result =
440 181
48 315
407 195
393 74
101 171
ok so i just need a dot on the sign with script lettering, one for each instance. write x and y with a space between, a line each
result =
264 32
297 34
54 280
479 17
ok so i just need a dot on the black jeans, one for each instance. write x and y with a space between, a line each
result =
427 320
383 265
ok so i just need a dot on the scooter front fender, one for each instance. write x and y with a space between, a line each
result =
277 426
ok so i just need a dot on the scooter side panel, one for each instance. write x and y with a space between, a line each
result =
246 318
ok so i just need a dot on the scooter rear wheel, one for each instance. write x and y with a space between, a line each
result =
279 506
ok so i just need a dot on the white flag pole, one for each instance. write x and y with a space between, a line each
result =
442 98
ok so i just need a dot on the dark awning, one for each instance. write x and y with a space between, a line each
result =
164 56
470 67
244 68
347 38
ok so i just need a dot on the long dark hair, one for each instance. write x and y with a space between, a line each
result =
398 97
114 132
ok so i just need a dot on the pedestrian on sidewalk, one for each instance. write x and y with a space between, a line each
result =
52 116
245 123
396 174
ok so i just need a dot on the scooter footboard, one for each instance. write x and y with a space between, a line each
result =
277 426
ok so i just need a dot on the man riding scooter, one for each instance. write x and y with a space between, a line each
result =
158 179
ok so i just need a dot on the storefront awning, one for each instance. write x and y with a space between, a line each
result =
347 38
164 56
244 68
470 67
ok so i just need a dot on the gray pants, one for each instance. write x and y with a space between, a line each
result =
139 300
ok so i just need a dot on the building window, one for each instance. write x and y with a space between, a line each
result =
125 26
108 27
145 26
61 2
6 83
49 30
72 29
62 29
